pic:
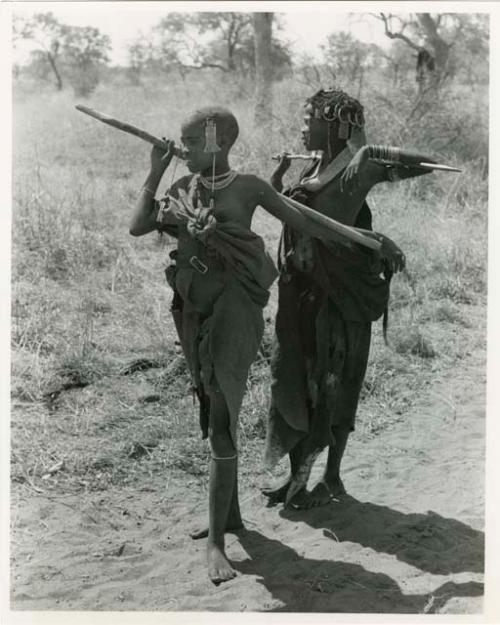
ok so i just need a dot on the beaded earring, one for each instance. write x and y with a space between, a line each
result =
328 139
343 132
211 136
211 147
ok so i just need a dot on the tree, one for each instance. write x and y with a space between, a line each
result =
262 26
198 41
44 31
398 62
181 36
84 51
71 51
348 58
140 57
471 50
434 38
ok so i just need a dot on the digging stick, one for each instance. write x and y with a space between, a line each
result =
128 128
333 225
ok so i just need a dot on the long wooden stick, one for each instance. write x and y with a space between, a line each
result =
334 226
128 128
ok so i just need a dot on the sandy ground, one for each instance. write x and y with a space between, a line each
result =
407 539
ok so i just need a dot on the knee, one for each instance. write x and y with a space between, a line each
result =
221 442
219 432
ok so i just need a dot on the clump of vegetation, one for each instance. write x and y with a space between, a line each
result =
414 343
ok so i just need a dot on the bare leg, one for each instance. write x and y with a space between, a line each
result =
347 401
278 493
223 471
331 485
297 495
335 455
234 520
222 474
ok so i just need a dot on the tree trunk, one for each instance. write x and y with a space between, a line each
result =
361 76
262 28
440 48
436 67
55 70
395 77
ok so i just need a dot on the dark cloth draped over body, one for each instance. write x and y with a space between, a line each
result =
218 314
322 338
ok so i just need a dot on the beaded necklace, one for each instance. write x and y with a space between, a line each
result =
215 183
219 181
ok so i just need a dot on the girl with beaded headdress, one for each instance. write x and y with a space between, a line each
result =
329 295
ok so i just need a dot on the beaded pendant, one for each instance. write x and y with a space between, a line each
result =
211 136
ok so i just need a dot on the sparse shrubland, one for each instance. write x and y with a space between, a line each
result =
88 300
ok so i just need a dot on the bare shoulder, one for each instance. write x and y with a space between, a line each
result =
251 181
252 187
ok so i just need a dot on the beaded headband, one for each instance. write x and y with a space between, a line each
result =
335 105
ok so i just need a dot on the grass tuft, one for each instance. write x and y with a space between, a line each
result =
414 343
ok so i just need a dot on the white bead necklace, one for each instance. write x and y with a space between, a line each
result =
221 181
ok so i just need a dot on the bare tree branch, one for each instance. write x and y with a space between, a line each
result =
398 35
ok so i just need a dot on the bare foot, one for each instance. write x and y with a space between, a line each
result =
299 500
230 527
319 496
277 494
219 569
335 486
300 479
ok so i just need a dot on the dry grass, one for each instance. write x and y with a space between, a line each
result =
88 299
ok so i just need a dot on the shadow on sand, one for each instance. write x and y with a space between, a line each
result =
430 542
308 585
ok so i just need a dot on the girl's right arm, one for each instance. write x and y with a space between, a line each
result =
144 218
281 169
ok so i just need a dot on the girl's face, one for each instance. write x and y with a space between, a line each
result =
317 132
314 130
193 139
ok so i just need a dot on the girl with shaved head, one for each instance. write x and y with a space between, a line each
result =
220 277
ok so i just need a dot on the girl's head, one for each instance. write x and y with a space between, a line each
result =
208 131
329 119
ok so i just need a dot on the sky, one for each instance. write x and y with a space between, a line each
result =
306 29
